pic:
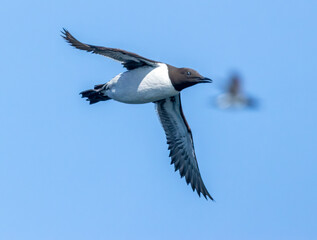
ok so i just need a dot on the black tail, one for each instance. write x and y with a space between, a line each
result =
95 95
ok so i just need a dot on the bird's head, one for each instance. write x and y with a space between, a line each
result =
185 77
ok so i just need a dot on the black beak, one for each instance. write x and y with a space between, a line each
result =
205 80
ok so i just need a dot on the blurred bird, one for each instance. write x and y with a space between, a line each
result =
152 81
234 97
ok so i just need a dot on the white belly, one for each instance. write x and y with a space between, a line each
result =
141 85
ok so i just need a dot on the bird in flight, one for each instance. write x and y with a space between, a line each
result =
151 81
234 97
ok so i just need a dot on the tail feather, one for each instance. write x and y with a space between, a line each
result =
95 95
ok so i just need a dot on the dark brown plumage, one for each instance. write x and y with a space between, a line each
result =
128 59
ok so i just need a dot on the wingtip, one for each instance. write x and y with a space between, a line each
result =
210 197
207 195
68 37
64 34
64 31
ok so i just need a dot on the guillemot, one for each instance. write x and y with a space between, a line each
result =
152 81
234 96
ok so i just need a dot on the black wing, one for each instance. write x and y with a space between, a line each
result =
180 140
128 60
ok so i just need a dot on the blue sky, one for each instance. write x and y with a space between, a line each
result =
73 171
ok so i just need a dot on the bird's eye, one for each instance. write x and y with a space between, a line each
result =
189 73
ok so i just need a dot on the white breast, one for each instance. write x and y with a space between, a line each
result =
141 85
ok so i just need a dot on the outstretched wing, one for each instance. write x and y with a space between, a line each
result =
128 60
180 141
